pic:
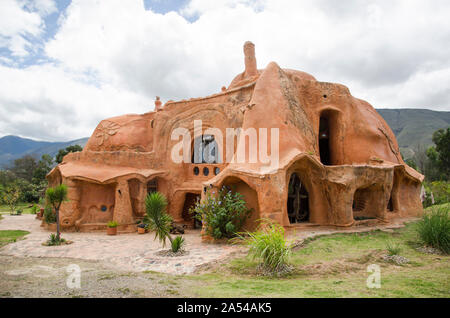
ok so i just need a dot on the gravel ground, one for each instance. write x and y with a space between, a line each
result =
47 277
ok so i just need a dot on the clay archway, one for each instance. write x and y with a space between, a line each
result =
236 184
308 170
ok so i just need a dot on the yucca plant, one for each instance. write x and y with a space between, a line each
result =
177 244
158 220
434 229
269 245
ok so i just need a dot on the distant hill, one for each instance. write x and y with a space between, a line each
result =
414 126
13 147
410 126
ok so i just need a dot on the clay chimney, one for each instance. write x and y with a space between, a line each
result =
158 104
250 60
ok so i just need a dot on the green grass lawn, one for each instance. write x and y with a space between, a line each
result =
336 266
10 236
4 209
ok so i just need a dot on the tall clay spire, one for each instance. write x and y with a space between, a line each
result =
250 60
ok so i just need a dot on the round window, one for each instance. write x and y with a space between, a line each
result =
103 208
205 171
216 170
196 171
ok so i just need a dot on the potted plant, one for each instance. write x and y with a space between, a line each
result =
142 228
111 228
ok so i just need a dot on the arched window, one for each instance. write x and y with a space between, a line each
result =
298 202
205 150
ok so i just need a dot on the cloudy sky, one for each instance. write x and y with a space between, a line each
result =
65 65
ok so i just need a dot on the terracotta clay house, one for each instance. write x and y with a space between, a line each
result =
339 161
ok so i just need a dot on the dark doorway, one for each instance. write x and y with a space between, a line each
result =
324 141
361 205
298 203
152 186
190 201
390 205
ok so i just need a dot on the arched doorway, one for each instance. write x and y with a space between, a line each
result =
324 141
298 200
330 141
190 201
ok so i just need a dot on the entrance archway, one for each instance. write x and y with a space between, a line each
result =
189 202
298 200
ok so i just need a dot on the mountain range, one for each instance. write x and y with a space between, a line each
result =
411 127
14 147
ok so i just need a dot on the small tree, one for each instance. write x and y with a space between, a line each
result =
55 197
62 152
10 196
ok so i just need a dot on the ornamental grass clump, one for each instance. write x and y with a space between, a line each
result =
269 245
434 229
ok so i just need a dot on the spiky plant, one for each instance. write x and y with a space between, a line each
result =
158 220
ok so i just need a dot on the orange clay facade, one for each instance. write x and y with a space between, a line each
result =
339 162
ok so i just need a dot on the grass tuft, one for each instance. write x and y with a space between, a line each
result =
393 248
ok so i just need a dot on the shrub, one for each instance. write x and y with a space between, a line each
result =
223 215
440 191
112 224
49 216
434 228
34 209
393 248
270 246
177 244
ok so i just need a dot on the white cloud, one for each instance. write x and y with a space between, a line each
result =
16 24
113 57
